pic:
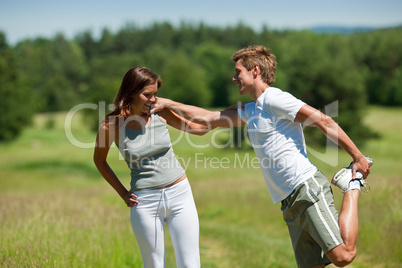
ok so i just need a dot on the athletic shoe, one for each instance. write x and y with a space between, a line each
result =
343 177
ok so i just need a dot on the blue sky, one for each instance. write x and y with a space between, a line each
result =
21 19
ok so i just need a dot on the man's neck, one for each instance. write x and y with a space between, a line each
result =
259 90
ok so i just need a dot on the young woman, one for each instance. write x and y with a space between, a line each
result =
160 191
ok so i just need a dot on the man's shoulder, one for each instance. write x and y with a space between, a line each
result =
270 97
274 92
276 96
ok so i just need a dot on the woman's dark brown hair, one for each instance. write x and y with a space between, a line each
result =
133 82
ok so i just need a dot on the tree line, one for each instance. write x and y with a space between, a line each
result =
194 61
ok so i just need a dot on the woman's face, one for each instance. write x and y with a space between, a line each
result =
141 102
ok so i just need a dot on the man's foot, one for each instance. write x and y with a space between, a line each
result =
343 177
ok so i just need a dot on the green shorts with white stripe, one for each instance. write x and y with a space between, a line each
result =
312 221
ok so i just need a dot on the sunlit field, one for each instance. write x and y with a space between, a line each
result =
57 211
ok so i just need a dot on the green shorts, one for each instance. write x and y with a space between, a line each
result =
312 221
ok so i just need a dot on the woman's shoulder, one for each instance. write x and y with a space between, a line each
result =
162 116
109 129
109 123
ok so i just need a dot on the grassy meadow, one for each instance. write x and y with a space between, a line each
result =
57 211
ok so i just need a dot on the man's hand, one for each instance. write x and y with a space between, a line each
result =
362 165
159 105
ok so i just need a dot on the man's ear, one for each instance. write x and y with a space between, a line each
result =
256 70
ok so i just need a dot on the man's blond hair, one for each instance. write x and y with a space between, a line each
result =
260 55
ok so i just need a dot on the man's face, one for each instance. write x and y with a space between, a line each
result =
243 78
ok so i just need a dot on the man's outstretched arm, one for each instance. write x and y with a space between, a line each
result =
225 118
310 116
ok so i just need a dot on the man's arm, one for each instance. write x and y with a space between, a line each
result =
225 118
183 124
310 116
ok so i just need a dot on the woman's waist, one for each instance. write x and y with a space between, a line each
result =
182 178
172 190
155 178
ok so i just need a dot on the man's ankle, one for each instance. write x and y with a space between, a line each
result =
353 185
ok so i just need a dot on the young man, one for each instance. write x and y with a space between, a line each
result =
274 121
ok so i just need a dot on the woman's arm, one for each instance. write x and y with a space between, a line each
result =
310 116
104 139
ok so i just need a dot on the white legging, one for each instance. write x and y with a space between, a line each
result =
176 206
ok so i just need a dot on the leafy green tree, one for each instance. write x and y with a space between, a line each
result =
88 44
216 62
188 36
106 74
379 56
320 71
15 103
185 82
239 36
56 70
129 38
32 59
155 57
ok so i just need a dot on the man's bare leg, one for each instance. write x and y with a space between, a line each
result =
344 254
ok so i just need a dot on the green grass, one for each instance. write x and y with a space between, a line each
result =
57 211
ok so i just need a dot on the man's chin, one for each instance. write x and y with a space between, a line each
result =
241 91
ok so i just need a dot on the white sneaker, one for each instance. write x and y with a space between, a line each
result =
343 177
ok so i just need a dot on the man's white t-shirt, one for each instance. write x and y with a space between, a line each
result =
278 141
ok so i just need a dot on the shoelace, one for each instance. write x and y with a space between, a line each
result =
365 186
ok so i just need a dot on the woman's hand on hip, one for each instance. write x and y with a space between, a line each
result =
130 199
